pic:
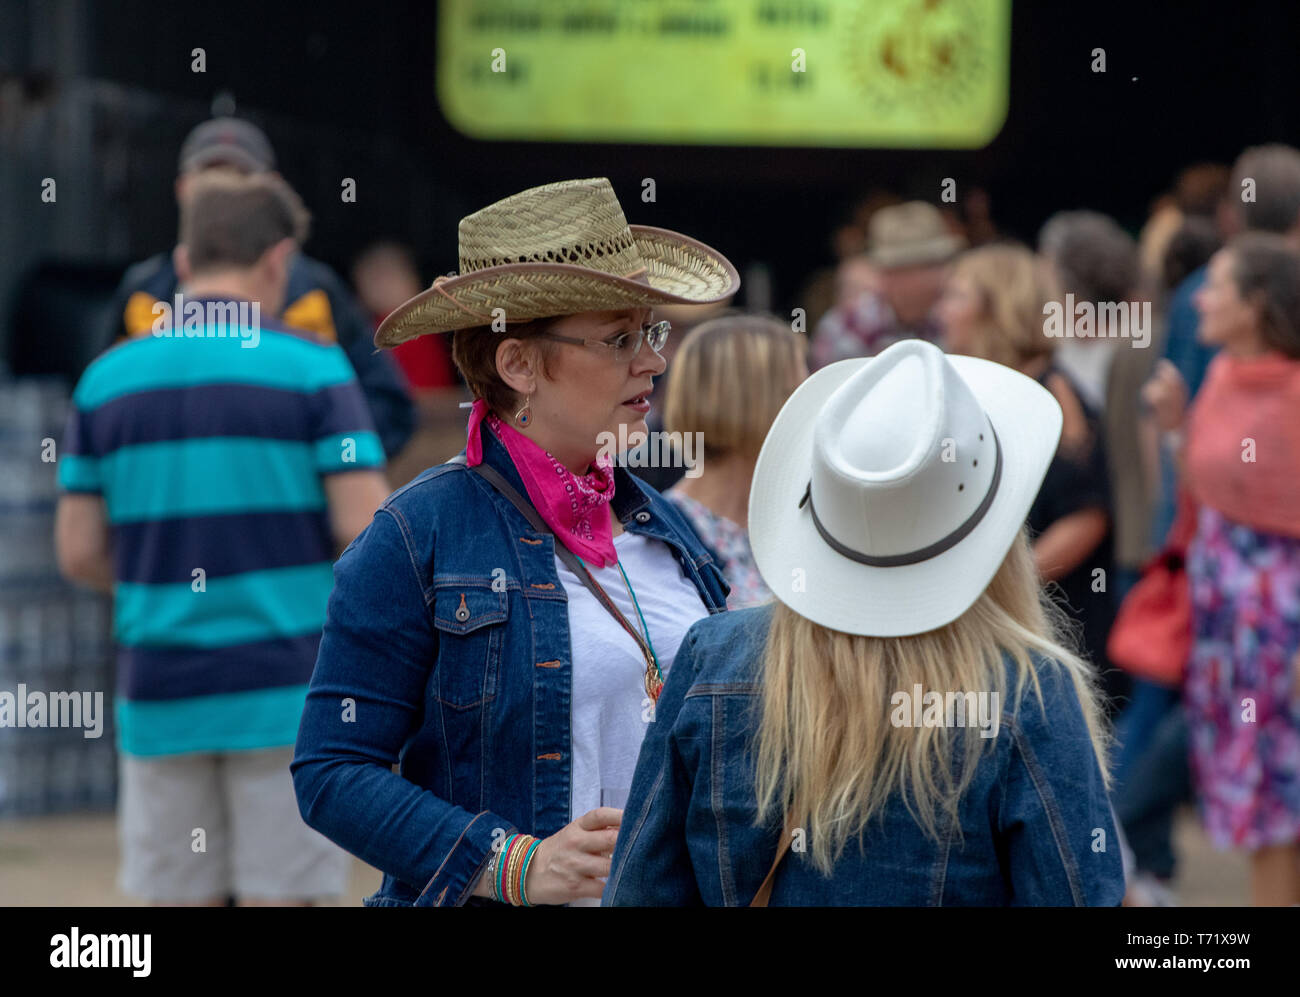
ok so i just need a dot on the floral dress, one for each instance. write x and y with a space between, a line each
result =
730 543
1241 695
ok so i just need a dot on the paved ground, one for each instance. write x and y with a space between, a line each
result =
72 861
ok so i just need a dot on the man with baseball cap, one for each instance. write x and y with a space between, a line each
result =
227 142
316 301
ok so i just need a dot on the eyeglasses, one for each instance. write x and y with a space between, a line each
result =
627 345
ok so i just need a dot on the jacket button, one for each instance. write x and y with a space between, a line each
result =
462 611
643 517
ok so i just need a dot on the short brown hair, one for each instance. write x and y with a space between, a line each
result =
730 378
229 220
474 351
1266 270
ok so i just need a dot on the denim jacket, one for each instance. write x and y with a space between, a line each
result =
1035 823
446 650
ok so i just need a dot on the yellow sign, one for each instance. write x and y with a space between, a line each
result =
901 73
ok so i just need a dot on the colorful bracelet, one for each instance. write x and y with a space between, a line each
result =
509 866
497 866
508 879
502 867
511 856
528 858
517 867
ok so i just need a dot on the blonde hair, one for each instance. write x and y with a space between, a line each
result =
1013 286
828 756
730 378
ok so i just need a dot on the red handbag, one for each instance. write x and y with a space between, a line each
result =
1151 637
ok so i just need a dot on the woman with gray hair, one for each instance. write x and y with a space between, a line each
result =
1096 264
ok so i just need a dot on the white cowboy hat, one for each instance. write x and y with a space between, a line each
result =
560 249
890 489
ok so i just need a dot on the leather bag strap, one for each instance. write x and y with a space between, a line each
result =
765 890
494 478
571 560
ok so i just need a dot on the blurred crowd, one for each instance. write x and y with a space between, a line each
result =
1156 345
1213 272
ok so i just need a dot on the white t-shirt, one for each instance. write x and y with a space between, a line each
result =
611 711
1088 361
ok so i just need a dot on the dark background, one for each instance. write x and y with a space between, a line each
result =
347 89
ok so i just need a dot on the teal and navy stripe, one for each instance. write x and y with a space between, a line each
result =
163 551
210 455
159 415
180 672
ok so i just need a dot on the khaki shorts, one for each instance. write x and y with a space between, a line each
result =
207 826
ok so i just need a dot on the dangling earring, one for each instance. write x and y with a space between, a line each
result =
524 416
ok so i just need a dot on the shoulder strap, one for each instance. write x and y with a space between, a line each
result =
570 559
494 478
765 890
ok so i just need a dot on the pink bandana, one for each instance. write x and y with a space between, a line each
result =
572 505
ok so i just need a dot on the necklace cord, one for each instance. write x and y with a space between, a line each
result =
645 629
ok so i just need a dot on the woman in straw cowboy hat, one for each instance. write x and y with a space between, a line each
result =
903 726
504 625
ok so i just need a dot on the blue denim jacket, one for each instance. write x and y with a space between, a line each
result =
446 649
1033 821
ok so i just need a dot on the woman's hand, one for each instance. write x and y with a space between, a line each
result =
1166 393
571 863
1069 541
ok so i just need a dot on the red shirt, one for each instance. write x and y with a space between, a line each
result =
425 360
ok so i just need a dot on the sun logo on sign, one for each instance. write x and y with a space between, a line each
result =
916 54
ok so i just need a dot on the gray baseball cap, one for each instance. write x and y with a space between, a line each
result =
228 141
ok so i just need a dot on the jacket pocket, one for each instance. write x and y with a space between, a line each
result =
471 620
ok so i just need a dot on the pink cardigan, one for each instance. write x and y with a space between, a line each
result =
1243 442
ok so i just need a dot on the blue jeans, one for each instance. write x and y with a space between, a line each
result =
1152 775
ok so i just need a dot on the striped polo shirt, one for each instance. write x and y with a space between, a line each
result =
210 451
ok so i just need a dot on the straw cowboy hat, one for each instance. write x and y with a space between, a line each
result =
910 235
890 489
560 249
